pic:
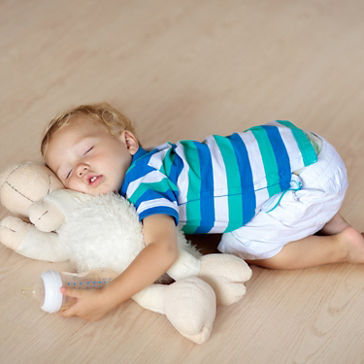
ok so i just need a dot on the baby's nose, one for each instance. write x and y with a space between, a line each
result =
82 170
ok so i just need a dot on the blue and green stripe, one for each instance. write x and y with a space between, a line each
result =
307 150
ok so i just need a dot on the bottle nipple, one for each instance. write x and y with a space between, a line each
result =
28 292
36 292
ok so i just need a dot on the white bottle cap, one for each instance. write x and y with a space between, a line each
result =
53 297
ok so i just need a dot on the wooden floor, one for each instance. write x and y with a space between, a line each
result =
186 69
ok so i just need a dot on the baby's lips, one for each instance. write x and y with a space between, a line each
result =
95 180
89 178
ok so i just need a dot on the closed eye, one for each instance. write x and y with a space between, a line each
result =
89 150
68 174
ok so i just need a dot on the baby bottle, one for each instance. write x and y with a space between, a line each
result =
47 289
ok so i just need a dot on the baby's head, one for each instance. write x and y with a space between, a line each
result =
90 148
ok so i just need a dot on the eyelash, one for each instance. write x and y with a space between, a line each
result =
87 151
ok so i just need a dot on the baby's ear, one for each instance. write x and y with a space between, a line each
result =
131 142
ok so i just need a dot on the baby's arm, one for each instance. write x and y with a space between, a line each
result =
159 254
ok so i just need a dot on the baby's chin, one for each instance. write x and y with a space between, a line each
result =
93 192
102 190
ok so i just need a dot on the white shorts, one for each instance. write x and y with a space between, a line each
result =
299 213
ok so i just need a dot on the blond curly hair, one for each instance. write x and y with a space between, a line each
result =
113 119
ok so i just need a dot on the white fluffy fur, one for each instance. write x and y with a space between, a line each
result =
90 219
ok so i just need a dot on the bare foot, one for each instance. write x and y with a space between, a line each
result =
353 243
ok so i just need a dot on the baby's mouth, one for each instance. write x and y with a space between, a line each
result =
94 180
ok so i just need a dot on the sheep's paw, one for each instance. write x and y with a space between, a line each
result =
13 231
226 274
190 305
45 216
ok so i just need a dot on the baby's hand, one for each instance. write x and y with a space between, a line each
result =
90 304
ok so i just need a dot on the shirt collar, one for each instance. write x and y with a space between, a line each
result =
139 153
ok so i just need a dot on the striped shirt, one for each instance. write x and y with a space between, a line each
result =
217 185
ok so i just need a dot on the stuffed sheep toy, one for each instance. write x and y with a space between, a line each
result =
104 232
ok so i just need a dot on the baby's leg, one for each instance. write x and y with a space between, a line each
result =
336 225
299 215
346 246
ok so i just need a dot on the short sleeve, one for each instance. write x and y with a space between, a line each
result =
153 194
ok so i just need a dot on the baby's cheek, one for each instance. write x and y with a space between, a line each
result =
55 183
75 185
